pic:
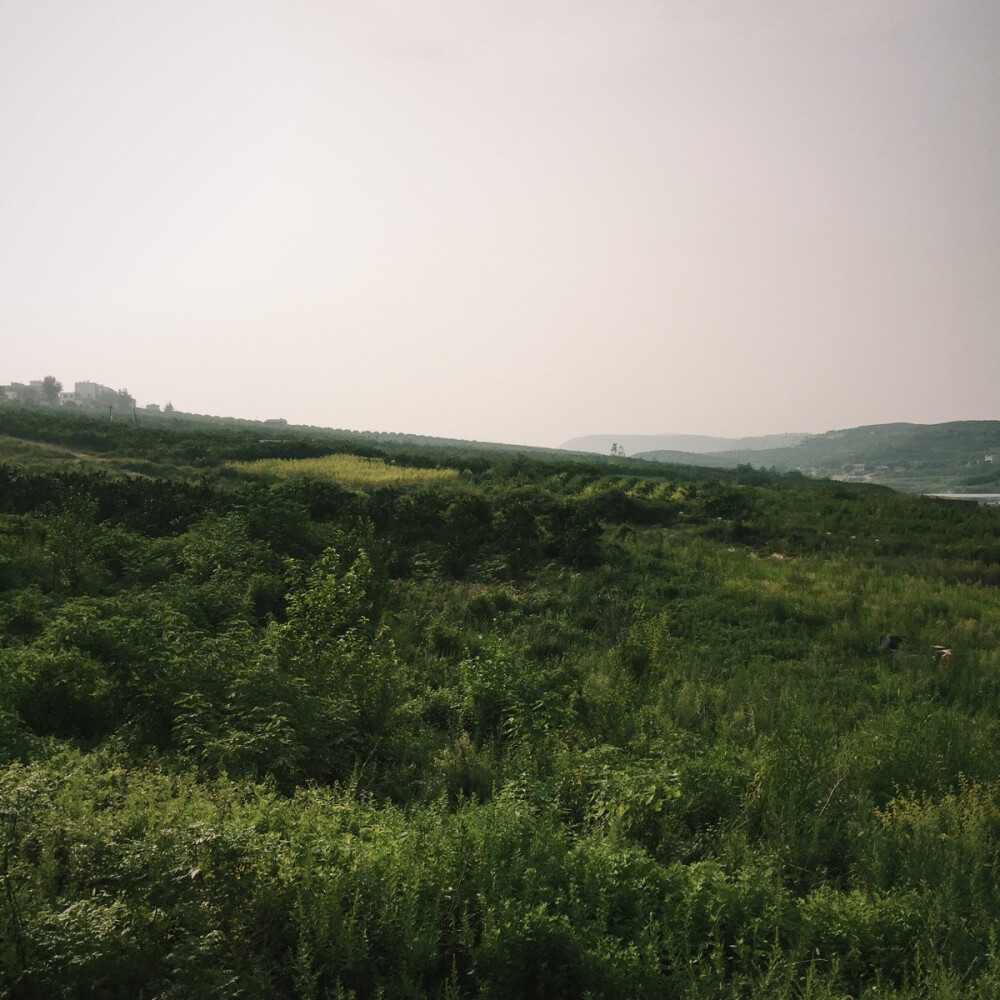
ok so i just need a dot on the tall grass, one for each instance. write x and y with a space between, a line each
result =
352 471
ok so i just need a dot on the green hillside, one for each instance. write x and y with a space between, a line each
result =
299 713
698 444
963 456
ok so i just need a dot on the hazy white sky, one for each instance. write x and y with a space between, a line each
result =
521 220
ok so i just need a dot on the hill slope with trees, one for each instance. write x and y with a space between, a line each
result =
492 725
697 444
962 456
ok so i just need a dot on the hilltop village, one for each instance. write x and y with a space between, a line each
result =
85 395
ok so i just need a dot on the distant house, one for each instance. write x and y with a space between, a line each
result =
34 392
18 392
41 392
99 397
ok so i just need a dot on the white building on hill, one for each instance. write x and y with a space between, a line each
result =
98 397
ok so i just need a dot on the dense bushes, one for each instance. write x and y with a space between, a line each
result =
536 732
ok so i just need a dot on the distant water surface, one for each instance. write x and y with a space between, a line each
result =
990 499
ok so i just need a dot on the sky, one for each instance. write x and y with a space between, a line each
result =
507 220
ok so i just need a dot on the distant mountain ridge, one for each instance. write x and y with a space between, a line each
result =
697 444
959 455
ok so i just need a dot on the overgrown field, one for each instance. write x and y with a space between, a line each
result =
537 729
353 471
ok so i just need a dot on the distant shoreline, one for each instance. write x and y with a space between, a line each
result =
988 499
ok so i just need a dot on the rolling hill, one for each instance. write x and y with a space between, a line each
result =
699 444
960 456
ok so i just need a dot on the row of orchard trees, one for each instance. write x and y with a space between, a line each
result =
537 732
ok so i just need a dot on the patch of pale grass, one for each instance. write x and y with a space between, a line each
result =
352 471
39 456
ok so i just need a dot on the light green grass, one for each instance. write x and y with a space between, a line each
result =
37 456
347 470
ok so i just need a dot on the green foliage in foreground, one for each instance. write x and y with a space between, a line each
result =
535 730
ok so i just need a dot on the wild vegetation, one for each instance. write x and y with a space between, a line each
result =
348 470
533 727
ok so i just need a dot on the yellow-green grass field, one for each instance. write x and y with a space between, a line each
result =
352 471
37 456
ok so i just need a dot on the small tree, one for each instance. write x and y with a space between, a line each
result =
51 387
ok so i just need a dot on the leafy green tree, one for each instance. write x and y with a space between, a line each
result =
51 387
519 535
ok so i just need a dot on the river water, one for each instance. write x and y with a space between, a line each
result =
989 499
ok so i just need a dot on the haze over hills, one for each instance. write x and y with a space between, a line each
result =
961 456
698 444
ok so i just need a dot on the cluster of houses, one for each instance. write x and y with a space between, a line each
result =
87 395
98 397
